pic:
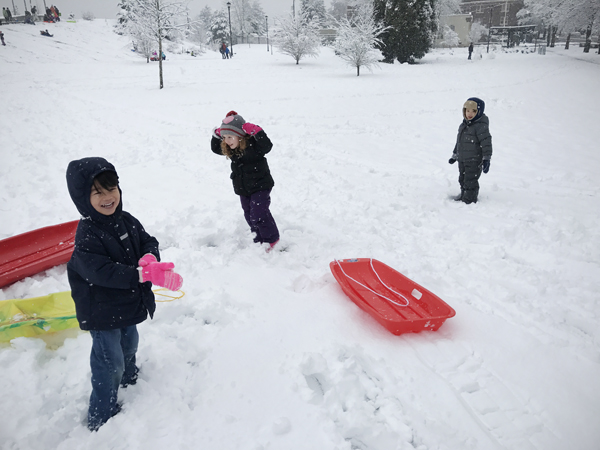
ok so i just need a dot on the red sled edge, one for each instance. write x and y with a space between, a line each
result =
398 303
33 252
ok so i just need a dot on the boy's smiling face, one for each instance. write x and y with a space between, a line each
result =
105 201
470 113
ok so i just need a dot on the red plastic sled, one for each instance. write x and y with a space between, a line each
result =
35 251
395 301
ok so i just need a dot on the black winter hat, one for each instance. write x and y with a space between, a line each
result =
232 124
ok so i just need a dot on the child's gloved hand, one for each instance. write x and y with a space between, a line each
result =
485 165
161 274
452 160
148 258
217 132
251 129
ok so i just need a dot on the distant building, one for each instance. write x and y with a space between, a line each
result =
497 13
460 24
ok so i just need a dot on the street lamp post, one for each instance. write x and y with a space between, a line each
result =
267 23
230 35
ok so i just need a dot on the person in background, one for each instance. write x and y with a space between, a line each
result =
470 50
28 18
7 14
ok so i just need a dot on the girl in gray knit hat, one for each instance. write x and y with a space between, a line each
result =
246 145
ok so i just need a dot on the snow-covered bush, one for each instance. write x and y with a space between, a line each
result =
450 37
88 15
477 32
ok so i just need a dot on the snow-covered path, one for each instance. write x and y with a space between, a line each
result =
264 351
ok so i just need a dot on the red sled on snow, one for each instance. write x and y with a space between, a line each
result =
395 301
35 251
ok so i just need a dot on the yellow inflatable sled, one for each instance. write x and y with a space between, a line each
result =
30 317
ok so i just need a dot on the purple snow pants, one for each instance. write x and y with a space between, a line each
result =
258 216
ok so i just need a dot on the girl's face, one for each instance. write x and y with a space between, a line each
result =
105 201
470 113
232 141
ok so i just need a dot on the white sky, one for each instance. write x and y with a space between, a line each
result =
108 8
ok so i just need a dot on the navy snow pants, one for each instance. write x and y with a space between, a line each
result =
258 216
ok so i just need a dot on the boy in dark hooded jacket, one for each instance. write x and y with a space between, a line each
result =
111 272
473 149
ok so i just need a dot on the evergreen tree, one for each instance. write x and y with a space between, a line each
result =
219 27
412 27
123 16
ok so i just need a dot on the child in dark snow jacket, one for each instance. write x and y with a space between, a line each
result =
246 145
473 149
111 272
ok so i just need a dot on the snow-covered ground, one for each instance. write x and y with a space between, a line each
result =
264 351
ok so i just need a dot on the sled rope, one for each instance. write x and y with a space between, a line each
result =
381 281
160 293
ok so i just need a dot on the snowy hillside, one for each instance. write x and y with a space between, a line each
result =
264 351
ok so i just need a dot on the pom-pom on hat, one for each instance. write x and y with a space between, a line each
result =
232 124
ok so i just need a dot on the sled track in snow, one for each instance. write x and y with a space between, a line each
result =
508 420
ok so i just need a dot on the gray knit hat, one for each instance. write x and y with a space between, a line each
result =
232 124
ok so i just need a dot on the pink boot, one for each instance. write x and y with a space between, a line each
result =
271 245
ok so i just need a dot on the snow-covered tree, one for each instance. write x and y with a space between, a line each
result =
201 30
313 10
565 15
239 13
411 28
256 19
297 37
338 9
153 21
144 46
447 7
477 32
450 37
358 37
247 17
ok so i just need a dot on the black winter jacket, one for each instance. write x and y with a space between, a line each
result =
474 141
249 172
103 269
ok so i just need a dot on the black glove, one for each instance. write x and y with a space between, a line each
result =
485 165
451 160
